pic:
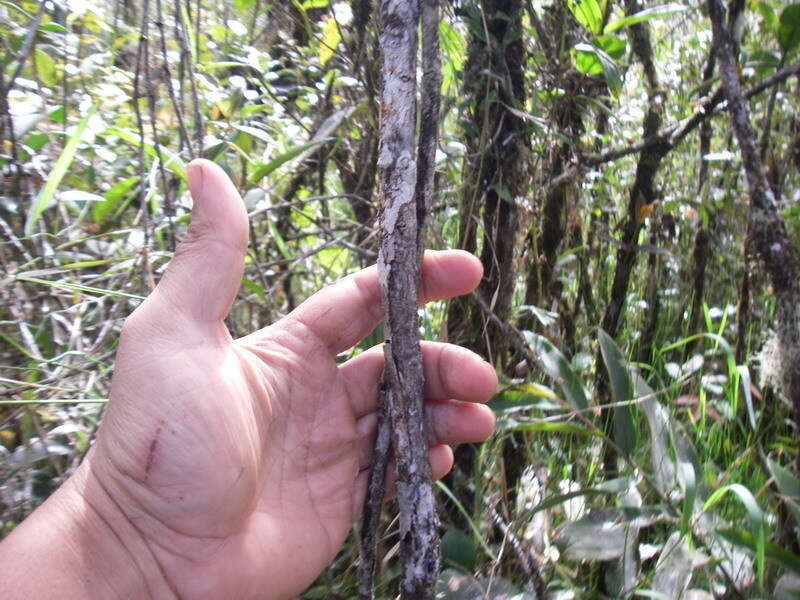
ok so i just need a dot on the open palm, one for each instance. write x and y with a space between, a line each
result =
242 464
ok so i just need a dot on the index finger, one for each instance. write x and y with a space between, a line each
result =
343 313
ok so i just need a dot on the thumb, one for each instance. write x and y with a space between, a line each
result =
202 280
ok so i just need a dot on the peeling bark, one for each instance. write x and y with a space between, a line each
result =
406 179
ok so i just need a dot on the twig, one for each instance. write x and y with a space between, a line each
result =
406 178
672 135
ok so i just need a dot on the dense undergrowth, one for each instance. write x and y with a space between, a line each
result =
658 460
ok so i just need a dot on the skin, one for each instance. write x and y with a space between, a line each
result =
235 468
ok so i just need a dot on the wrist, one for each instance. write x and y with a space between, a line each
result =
79 544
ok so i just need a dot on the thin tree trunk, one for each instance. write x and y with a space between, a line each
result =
406 179
495 171
766 229
643 192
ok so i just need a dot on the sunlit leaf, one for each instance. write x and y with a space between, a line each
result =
263 169
547 427
53 28
57 173
588 13
45 68
587 59
653 12
331 36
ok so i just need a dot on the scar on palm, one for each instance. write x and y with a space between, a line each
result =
151 453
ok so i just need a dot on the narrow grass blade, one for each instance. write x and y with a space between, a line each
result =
754 515
76 287
264 169
57 174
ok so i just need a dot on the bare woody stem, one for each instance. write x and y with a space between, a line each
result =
406 182
766 229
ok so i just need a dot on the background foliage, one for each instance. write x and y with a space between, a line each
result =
645 446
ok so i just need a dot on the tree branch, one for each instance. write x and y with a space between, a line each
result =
674 134
406 180
766 229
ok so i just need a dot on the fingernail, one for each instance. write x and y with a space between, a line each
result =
196 176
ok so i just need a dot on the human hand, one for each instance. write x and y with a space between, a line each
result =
235 468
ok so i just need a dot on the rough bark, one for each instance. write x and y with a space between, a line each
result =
557 30
699 263
495 171
643 192
406 177
766 229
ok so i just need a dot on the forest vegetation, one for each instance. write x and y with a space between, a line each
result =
627 172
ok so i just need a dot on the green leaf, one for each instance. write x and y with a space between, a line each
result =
754 513
547 427
280 242
172 161
75 287
587 58
467 517
746 539
58 115
518 397
588 13
789 29
612 45
112 198
263 169
622 390
331 36
37 141
53 28
558 367
767 12
458 550
755 516
654 12
253 287
788 485
57 174
309 4
45 68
